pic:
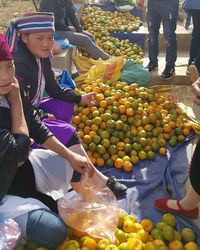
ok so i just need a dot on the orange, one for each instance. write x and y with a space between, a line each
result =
86 139
100 162
103 104
76 119
127 166
122 109
191 246
86 130
163 151
176 245
92 134
85 111
94 127
90 243
144 236
147 225
118 163
186 131
120 146
130 112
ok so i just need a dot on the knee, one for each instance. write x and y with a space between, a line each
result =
85 40
45 228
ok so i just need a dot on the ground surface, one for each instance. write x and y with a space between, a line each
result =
11 10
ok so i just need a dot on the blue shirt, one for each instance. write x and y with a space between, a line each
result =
191 4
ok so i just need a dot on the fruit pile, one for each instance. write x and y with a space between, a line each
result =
129 124
131 235
100 23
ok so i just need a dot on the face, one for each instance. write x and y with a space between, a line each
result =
7 73
39 44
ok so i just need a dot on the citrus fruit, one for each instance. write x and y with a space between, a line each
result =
168 232
187 235
169 219
147 225
176 245
191 246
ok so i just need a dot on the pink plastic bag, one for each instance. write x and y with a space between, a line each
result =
9 233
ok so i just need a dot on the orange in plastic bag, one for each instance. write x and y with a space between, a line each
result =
95 213
91 69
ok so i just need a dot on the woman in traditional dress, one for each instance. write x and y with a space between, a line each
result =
35 74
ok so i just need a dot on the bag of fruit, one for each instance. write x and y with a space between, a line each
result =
95 212
104 70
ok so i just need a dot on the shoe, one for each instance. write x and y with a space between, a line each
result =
192 72
115 186
152 66
161 204
168 73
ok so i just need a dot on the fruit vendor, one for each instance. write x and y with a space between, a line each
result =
34 72
64 12
188 205
167 12
31 181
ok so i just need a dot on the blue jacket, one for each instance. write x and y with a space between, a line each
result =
191 4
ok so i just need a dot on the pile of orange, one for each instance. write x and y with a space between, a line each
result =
129 124
100 23
131 235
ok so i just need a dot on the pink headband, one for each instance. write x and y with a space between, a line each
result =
5 54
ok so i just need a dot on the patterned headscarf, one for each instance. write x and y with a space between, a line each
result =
29 23
5 54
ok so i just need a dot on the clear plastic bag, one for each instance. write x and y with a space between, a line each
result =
95 213
9 233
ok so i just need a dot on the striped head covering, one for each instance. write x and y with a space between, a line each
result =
5 54
29 23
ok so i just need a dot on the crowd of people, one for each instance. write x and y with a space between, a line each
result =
40 151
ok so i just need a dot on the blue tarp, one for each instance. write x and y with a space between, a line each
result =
151 179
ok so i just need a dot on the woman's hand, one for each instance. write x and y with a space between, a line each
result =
81 164
89 99
51 116
14 93
196 91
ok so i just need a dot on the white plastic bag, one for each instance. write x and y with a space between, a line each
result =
9 233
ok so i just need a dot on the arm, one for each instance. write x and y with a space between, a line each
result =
70 13
140 4
196 91
79 163
56 91
15 143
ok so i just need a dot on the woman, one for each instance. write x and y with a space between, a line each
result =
30 182
34 72
192 7
64 11
188 206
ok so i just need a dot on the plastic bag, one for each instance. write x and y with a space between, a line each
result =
65 80
64 43
95 213
90 69
9 233
133 72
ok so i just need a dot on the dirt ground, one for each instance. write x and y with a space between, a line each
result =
13 9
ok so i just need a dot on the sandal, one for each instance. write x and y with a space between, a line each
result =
115 186
161 204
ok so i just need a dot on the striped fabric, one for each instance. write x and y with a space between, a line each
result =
29 23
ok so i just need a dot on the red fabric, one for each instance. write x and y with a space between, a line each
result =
5 54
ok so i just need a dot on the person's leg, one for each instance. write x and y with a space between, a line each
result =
195 42
191 200
89 34
153 22
82 40
43 227
169 10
